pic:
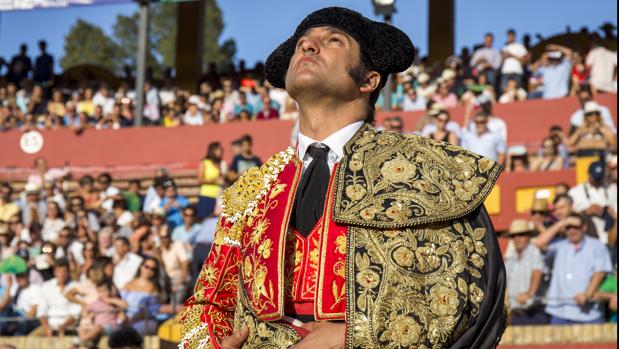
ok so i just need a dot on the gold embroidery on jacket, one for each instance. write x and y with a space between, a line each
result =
414 287
387 180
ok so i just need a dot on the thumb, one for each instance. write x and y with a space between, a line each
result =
237 339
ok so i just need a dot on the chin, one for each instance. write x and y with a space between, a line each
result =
298 84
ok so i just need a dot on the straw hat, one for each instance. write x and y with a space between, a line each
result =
520 226
540 205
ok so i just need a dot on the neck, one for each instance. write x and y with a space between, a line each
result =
319 120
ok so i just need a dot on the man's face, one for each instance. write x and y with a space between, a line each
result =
323 58
511 37
521 241
61 273
488 41
575 232
120 248
562 209
246 147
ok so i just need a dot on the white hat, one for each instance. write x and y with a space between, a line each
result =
32 188
423 78
448 74
591 107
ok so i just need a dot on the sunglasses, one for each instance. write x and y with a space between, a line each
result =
571 226
539 212
149 267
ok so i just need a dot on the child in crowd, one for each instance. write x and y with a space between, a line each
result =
106 313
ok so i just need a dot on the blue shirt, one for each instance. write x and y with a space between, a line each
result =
174 215
207 231
571 273
185 235
556 79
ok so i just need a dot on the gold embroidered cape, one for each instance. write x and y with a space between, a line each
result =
422 264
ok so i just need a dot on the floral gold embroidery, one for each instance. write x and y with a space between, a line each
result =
398 170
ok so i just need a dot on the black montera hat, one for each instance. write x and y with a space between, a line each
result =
386 48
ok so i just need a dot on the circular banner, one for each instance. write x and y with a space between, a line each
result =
31 142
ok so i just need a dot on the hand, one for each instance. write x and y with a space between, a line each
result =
581 299
571 221
595 210
325 335
48 331
522 298
236 340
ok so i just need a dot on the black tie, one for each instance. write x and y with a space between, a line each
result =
312 191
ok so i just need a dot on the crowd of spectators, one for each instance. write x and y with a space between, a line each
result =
98 258
29 97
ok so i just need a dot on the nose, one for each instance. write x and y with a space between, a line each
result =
309 45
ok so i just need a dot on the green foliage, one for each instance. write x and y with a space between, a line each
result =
87 43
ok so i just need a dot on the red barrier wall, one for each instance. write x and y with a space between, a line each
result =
527 122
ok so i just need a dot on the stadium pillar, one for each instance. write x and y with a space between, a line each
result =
141 61
441 29
189 24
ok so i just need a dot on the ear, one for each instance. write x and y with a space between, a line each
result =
372 80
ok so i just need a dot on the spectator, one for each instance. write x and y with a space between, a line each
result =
151 104
243 105
608 293
484 105
514 57
103 99
593 137
132 196
107 193
243 161
554 68
142 297
56 313
602 63
44 174
445 97
540 214
126 263
412 101
578 117
125 338
593 199
579 267
173 203
211 174
550 159
561 141
123 217
27 299
53 223
8 208
57 108
193 116
482 141
44 66
154 194
33 208
20 66
580 74
486 60
393 124
187 232
513 93
175 259
105 313
441 120
524 270
88 192
267 112
85 104
425 89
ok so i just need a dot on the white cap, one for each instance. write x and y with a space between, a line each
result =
591 107
448 74
32 188
423 78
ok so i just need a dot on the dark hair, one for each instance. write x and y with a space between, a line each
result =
135 181
562 197
123 239
555 147
119 203
61 263
246 138
210 152
105 176
105 282
155 278
358 75
511 31
124 337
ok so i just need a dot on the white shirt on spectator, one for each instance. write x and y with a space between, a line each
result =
166 96
578 118
488 144
495 125
451 126
126 269
489 54
125 219
511 65
106 103
584 195
513 96
28 298
108 195
54 305
193 119
411 105
51 228
603 63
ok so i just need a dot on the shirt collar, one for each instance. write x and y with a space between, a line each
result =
335 141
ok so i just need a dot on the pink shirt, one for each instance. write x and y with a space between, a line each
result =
105 313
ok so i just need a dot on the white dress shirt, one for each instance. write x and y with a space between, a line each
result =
335 142
126 269
54 305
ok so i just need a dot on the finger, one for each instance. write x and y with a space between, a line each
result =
236 340
310 326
